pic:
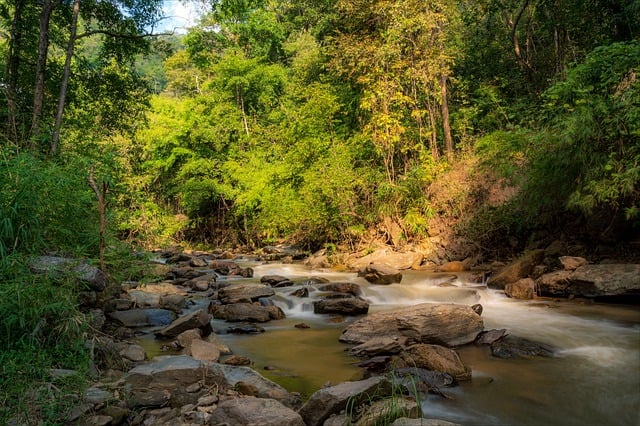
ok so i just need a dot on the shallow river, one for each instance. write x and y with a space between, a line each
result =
593 380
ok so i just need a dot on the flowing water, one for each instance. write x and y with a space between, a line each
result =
594 379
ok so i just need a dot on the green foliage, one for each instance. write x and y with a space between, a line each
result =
41 329
585 154
503 153
46 206
589 150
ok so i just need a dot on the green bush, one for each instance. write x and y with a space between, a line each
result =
42 329
592 132
46 206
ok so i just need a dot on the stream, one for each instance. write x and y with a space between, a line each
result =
594 379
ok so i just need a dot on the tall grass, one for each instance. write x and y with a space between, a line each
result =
45 207
41 329
393 394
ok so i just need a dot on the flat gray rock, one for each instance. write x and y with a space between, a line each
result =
255 411
441 324
143 317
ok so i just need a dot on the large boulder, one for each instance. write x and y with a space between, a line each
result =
184 273
440 324
276 281
554 284
143 317
606 280
89 275
521 289
173 302
247 378
168 373
203 350
254 411
380 274
408 260
318 260
283 253
343 306
453 266
341 287
244 293
197 319
517 270
377 346
333 399
433 358
145 299
246 312
230 268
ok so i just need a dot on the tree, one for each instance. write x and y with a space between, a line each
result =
397 53
122 24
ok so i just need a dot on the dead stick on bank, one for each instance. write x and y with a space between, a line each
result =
102 206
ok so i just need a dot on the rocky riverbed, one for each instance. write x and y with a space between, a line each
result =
404 353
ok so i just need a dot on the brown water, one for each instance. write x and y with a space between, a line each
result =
593 380
301 360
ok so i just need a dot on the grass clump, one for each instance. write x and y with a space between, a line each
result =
42 329
392 400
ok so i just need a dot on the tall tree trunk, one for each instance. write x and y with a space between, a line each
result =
101 195
41 65
65 78
448 142
11 72
523 60
240 102
434 132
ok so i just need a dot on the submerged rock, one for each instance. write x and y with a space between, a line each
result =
517 347
490 336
